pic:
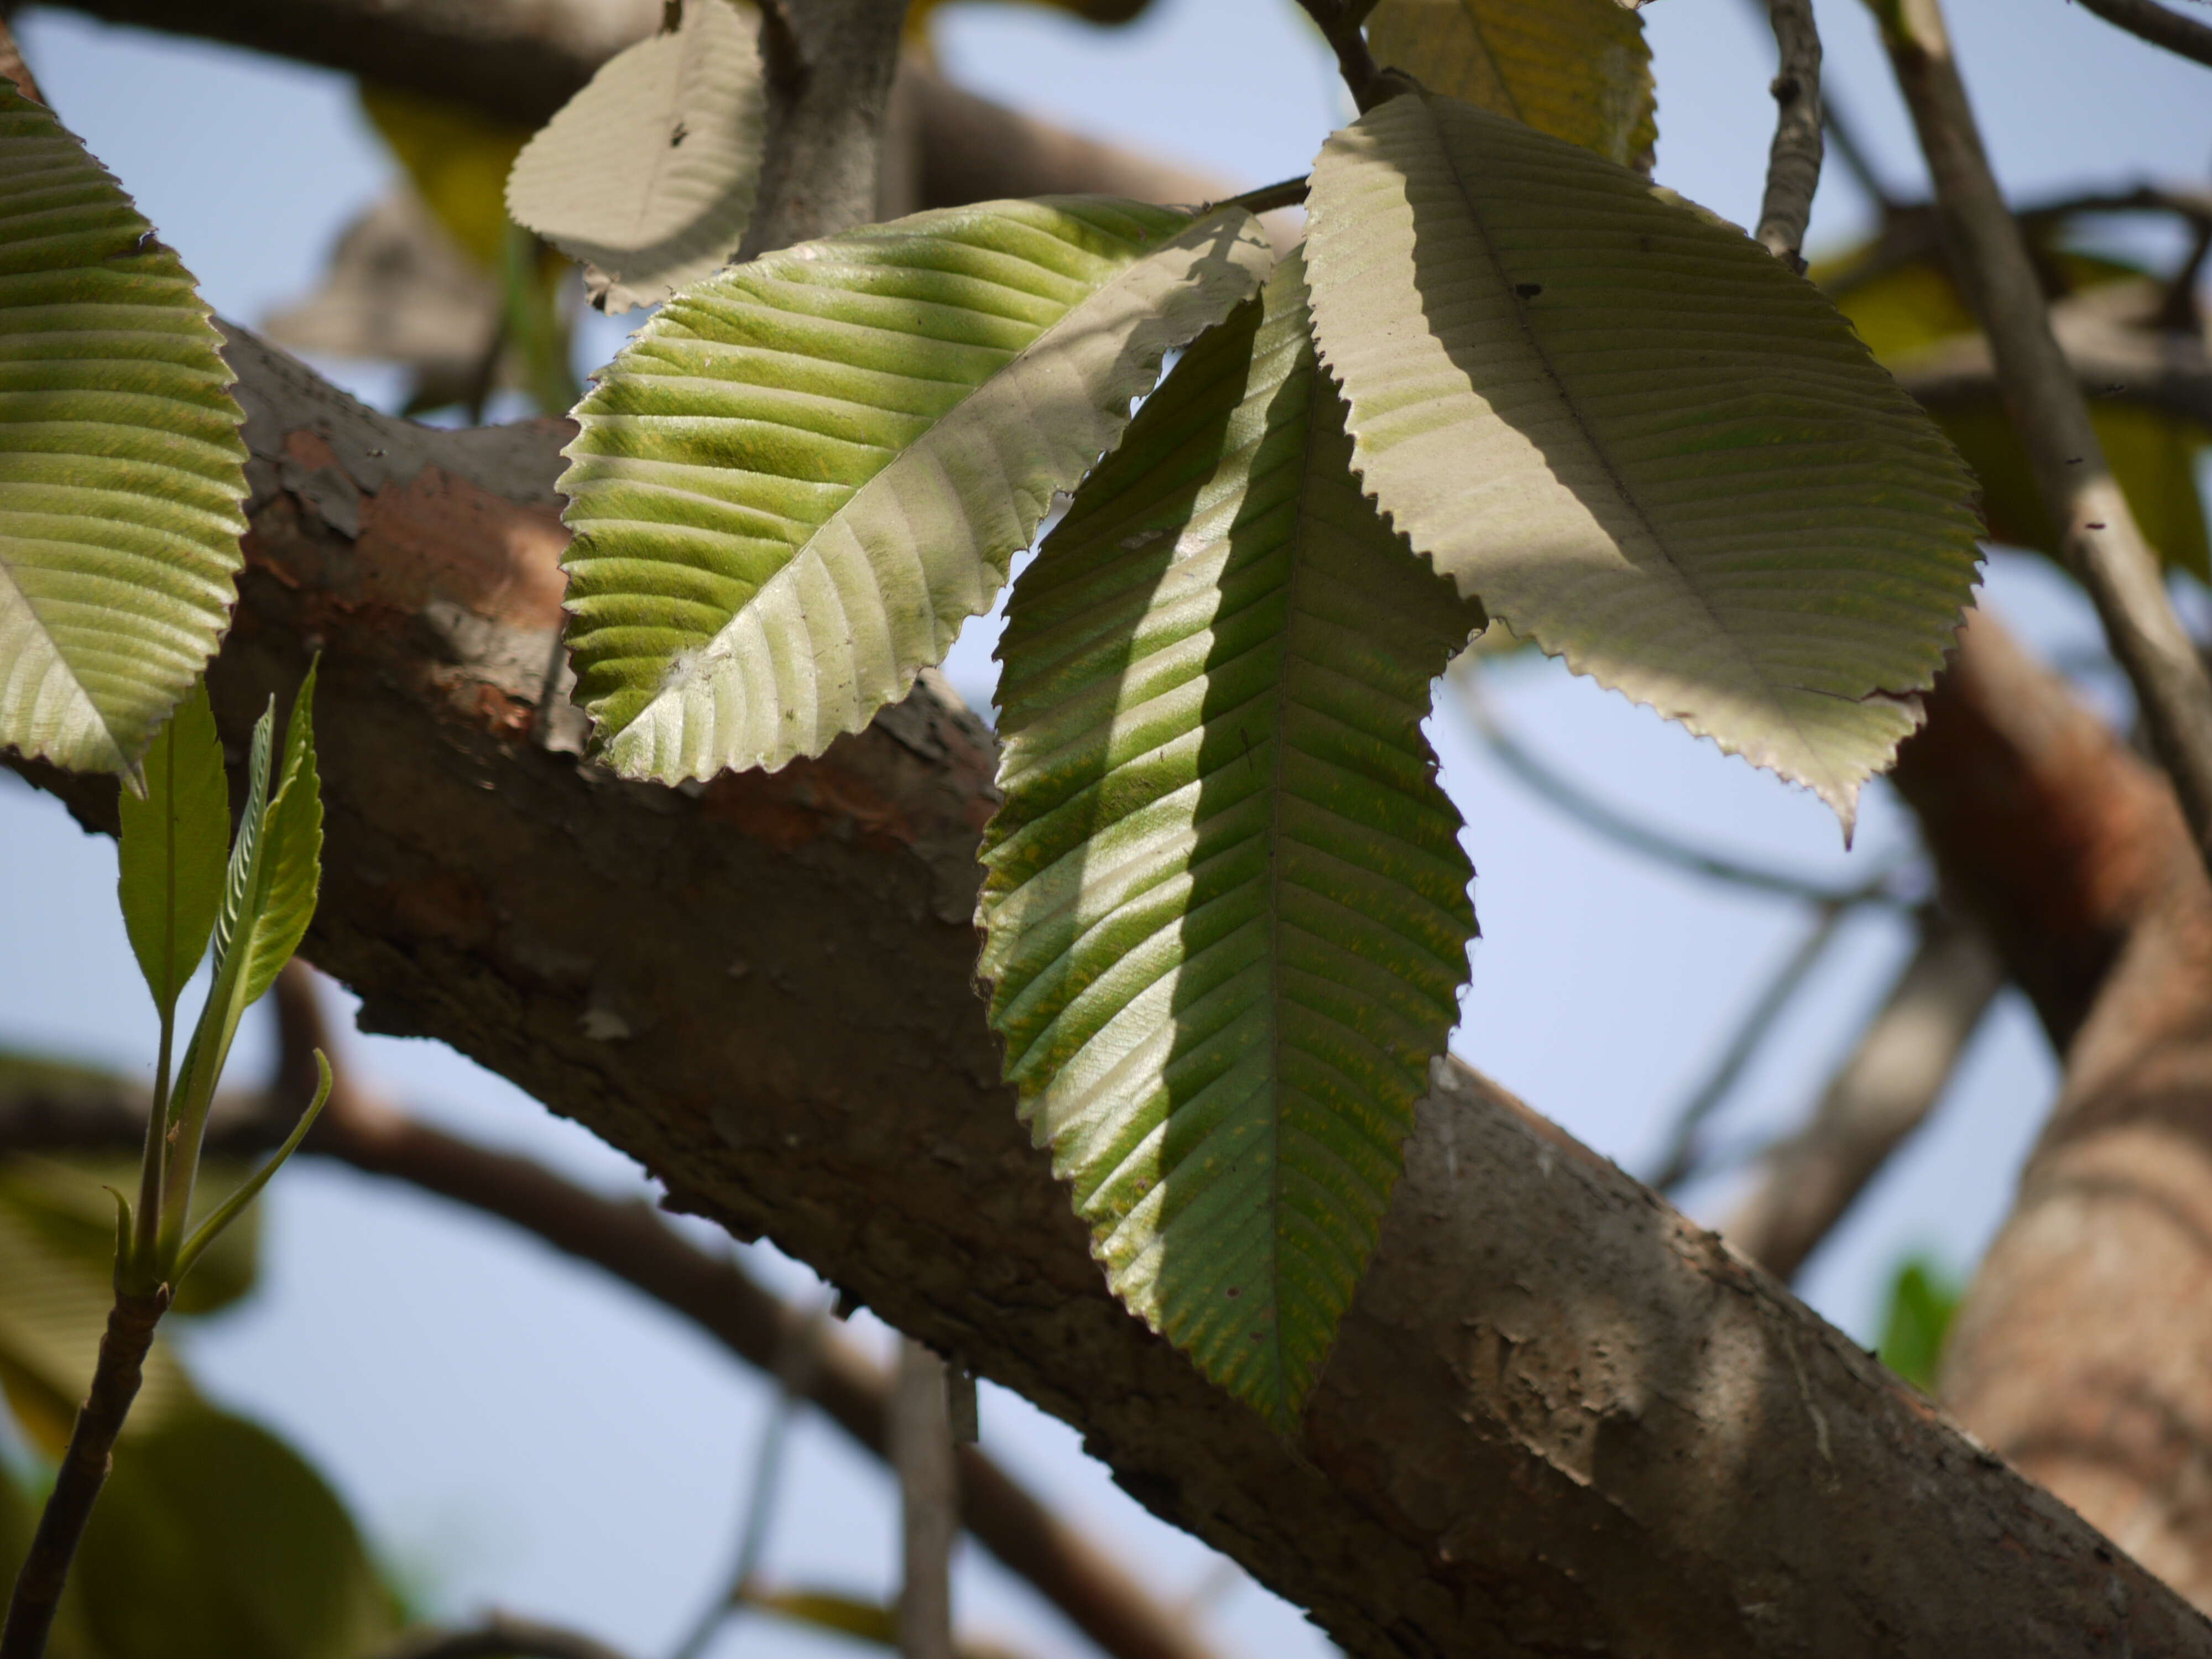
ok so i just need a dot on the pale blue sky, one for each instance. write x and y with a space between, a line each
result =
515 1431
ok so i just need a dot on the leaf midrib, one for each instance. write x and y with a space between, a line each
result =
787 575
1770 688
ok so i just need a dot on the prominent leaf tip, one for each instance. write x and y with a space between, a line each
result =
807 472
1640 441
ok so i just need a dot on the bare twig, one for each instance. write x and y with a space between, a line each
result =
502 1636
921 1442
1618 827
1288 193
2153 22
1880 1096
84 1471
796 1352
1339 21
2100 540
1679 1160
1793 165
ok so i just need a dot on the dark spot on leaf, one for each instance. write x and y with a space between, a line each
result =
1528 290
1234 1292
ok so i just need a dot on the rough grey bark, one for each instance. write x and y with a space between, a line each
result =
1560 1418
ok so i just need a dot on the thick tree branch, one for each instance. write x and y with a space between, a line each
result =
53 1110
2083 1347
2100 538
2161 26
1793 165
2007 747
1882 1093
828 67
1558 1416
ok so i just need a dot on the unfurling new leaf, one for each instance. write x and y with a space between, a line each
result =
1636 438
806 472
269 899
171 853
648 175
121 468
1227 908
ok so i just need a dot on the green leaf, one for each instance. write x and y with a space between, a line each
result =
1579 69
806 472
69 1201
121 468
648 175
269 900
55 1294
241 876
290 861
1226 904
213 1539
1924 1300
1913 318
1638 439
172 852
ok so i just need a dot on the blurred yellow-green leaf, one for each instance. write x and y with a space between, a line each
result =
1923 1301
457 159
54 1298
1909 311
213 1539
1579 69
874 1622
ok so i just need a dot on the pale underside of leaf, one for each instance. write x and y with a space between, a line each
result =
805 473
121 469
1227 909
1579 69
1639 440
648 175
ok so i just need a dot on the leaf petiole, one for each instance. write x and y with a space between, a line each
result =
209 1230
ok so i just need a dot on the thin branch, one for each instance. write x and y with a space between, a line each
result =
921 1443
115 1378
1679 1162
1288 193
2100 540
58 1109
1793 165
2153 22
1879 1096
1594 815
1102 1598
1339 21
502 1636
797 1349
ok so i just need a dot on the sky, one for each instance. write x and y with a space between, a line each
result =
514 1431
